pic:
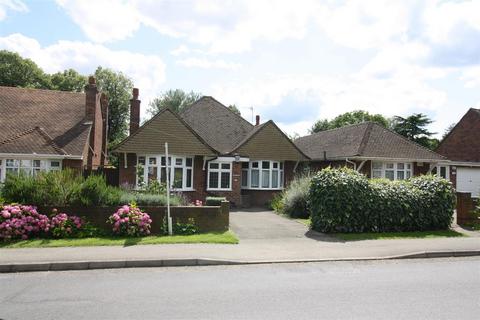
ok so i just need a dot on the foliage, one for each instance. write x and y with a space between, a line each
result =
214 201
155 187
16 71
188 228
294 201
145 199
348 118
68 80
176 100
94 191
65 226
276 204
234 109
414 128
118 88
22 222
343 200
129 220
448 130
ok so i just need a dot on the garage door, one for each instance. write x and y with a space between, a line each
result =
468 180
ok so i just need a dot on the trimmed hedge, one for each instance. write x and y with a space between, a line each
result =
214 201
343 200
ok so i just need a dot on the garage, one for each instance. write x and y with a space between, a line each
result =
468 180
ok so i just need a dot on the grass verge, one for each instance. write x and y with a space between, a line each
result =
227 237
399 235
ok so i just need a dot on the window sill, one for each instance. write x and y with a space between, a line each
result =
263 189
219 189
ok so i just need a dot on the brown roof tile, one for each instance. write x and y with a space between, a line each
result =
368 139
59 114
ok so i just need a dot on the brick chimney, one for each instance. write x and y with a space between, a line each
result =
91 92
257 120
134 112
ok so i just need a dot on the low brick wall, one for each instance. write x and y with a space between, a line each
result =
207 218
465 205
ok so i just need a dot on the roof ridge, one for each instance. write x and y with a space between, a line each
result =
334 129
41 89
49 139
456 124
18 135
365 138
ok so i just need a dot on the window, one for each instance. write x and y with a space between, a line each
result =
391 170
219 175
27 166
442 172
154 168
263 174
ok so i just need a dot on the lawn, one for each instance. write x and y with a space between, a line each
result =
399 235
227 237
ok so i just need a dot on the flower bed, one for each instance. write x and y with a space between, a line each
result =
129 220
22 222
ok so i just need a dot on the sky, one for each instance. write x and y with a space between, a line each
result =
291 61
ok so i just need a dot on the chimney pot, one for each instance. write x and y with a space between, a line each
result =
135 93
91 80
257 120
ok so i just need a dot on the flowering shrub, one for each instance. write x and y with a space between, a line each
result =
19 221
64 226
129 220
198 203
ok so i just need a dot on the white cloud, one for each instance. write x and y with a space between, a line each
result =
182 49
146 71
208 64
15 5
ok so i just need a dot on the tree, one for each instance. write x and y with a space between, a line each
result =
16 71
448 130
118 88
175 100
414 128
234 109
348 118
68 80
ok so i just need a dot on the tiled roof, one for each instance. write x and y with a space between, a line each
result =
42 121
221 128
368 139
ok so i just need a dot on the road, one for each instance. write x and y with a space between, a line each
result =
400 289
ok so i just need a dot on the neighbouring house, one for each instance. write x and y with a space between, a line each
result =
212 152
462 147
370 149
51 130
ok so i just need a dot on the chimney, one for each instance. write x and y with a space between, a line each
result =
257 120
134 112
91 92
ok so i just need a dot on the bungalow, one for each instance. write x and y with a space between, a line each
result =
212 152
462 147
51 130
371 149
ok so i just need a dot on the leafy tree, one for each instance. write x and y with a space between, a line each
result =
118 88
448 130
176 100
414 128
234 109
16 71
348 118
68 80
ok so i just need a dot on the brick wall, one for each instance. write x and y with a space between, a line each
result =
462 144
465 205
72 164
420 169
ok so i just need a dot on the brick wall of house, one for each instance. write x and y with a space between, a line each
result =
72 164
420 168
463 144
127 176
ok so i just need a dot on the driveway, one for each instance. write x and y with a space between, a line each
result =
264 224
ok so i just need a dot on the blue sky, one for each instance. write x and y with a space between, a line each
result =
292 61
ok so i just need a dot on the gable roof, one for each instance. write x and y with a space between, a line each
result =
165 126
43 120
462 143
216 124
267 141
367 140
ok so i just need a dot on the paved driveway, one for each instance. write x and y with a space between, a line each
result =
264 224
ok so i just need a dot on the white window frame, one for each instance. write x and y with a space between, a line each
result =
172 165
220 171
280 175
396 167
45 165
438 171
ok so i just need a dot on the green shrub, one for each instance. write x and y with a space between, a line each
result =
343 200
94 191
188 228
276 204
214 201
295 197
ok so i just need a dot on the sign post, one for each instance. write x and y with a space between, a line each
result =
167 171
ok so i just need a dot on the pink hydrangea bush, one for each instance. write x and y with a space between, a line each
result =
65 226
129 220
22 222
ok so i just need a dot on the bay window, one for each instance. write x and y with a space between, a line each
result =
27 166
219 175
154 168
391 170
264 174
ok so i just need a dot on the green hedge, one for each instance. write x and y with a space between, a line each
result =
214 201
294 199
343 200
